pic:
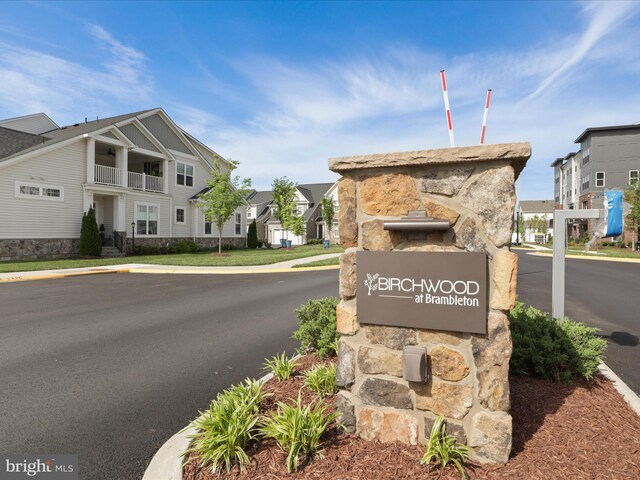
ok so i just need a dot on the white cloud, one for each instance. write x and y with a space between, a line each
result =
33 81
392 101
603 18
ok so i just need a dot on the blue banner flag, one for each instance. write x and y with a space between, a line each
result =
613 213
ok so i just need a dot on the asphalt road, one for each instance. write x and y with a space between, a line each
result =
601 294
110 366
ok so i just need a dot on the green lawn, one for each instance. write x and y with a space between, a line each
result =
202 259
320 263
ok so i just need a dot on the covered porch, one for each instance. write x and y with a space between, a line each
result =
118 167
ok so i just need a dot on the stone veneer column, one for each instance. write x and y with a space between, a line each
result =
473 188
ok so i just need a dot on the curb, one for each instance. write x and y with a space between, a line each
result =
588 257
49 276
230 272
629 395
166 464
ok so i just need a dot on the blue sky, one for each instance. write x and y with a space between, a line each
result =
282 87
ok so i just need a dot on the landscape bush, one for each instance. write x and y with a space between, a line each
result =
252 236
178 247
321 379
227 427
315 241
281 366
297 430
317 326
444 448
546 348
90 242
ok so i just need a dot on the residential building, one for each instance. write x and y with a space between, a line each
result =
608 159
140 172
308 204
537 218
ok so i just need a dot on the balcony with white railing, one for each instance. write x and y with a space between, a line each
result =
146 183
112 176
108 175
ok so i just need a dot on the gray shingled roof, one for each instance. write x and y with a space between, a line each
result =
70 131
258 197
13 141
537 206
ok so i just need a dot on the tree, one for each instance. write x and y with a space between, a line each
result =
225 194
252 235
90 243
297 225
632 198
284 199
328 212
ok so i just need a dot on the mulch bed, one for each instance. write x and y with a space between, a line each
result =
585 431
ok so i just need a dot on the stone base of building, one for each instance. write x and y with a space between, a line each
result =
59 248
38 248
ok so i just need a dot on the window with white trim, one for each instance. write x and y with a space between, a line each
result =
633 176
39 191
207 228
238 224
585 205
147 218
300 209
184 174
599 179
181 216
248 212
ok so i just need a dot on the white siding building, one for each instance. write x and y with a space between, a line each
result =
140 172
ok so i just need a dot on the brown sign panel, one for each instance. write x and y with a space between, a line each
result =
430 290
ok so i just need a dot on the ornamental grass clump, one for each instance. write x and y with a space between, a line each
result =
444 448
321 380
297 430
281 366
227 427
545 348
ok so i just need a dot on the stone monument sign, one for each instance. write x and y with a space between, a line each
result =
465 330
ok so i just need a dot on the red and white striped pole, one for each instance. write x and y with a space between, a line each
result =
484 118
445 94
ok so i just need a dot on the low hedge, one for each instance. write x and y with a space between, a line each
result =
317 329
546 348
178 247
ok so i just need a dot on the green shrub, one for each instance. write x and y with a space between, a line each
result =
444 449
321 380
90 242
252 235
545 348
317 327
297 430
226 428
315 241
184 247
281 366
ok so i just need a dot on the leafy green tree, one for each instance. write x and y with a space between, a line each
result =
225 194
252 235
632 198
90 242
284 199
297 225
328 213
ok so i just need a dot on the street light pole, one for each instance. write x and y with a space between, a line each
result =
133 237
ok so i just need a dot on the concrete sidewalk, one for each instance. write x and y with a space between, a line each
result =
279 267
